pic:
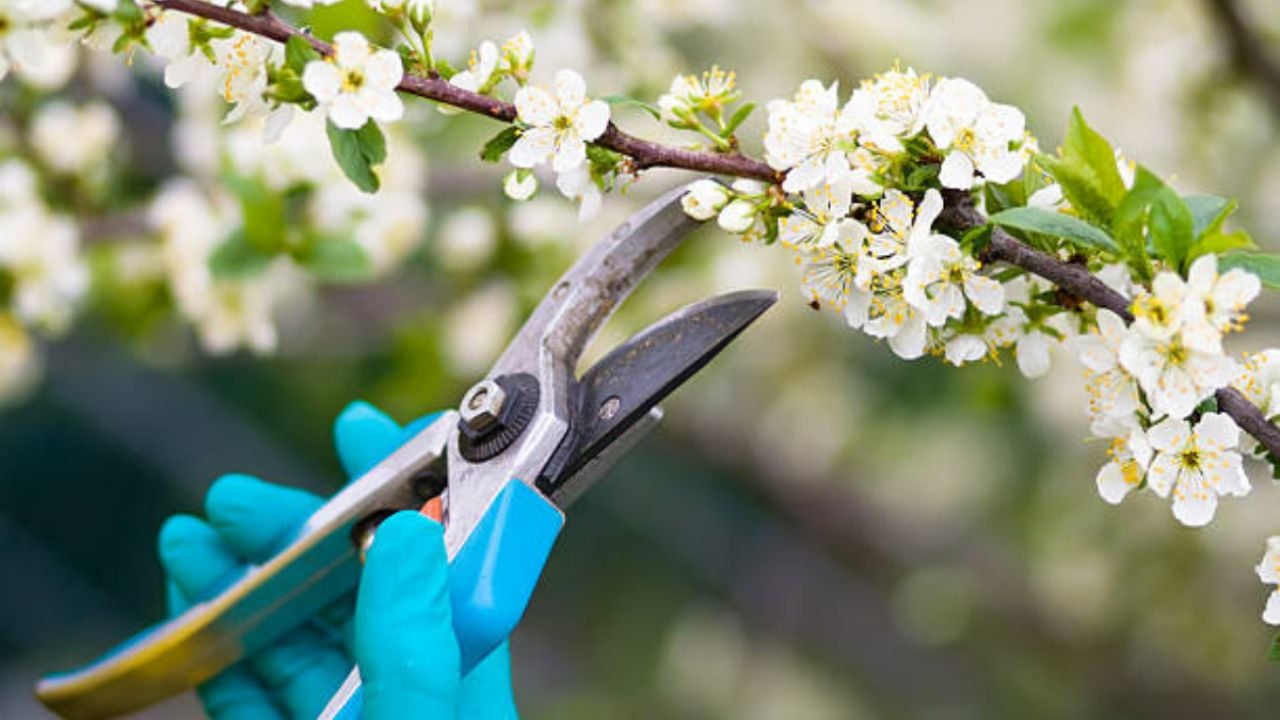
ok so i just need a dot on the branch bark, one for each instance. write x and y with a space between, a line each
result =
960 213
643 153
1078 281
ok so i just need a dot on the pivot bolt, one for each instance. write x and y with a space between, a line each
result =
482 405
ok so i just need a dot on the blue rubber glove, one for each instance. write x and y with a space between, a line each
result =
398 628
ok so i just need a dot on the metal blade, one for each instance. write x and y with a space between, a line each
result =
626 384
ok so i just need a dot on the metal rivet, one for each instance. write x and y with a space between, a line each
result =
609 408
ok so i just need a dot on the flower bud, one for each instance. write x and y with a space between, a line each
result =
705 198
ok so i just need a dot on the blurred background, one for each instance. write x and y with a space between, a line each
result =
819 530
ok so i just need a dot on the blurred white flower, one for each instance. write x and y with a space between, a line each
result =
1259 380
520 184
75 140
1268 570
1196 465
357 83
466 239
19 363
27 45
478 327
977 133
558 126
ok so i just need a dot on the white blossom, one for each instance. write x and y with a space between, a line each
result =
1196 465
357 83
824 219
940 276
1130 455
977 133
807 137
1174 377
888 108
738 216
578 185
1268 570
558 127
1215 303
1112 391
480 68
965 348
705 199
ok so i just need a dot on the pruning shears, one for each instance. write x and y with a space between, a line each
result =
499 473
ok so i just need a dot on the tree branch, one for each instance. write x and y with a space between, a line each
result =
1248 52
1078 281
959 214
644 154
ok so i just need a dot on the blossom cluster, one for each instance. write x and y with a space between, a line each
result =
42 274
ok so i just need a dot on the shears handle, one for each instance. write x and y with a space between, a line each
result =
491 579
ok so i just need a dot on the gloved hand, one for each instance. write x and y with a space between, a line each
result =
398 629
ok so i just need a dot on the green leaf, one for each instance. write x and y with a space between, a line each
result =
236 257
1086 146
1171 227
1080 189
976 239
1274 654
298 52
358 152
1047 222
499 144
739 116
1265 265
263 214
626 101
336 259
1210 215
1209 211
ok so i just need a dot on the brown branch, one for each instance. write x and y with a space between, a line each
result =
644 154
1248 52
960 212
1078 281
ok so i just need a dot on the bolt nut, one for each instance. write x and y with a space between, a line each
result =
482 405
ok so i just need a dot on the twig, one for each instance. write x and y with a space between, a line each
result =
643 153
1248 52
960 212
1078 281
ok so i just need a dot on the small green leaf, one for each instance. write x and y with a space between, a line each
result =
921 177
1171 227
1085 145
1265 265
499 144
1080 189
976 239
237 258
1274 654
1047 222
336 259
739 116
298 52
625 101
1209 211
358 152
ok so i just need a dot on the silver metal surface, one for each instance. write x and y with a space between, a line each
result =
549 346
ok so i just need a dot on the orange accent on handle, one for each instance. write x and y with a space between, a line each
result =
434 509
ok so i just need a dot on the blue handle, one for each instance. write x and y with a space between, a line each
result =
493 575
